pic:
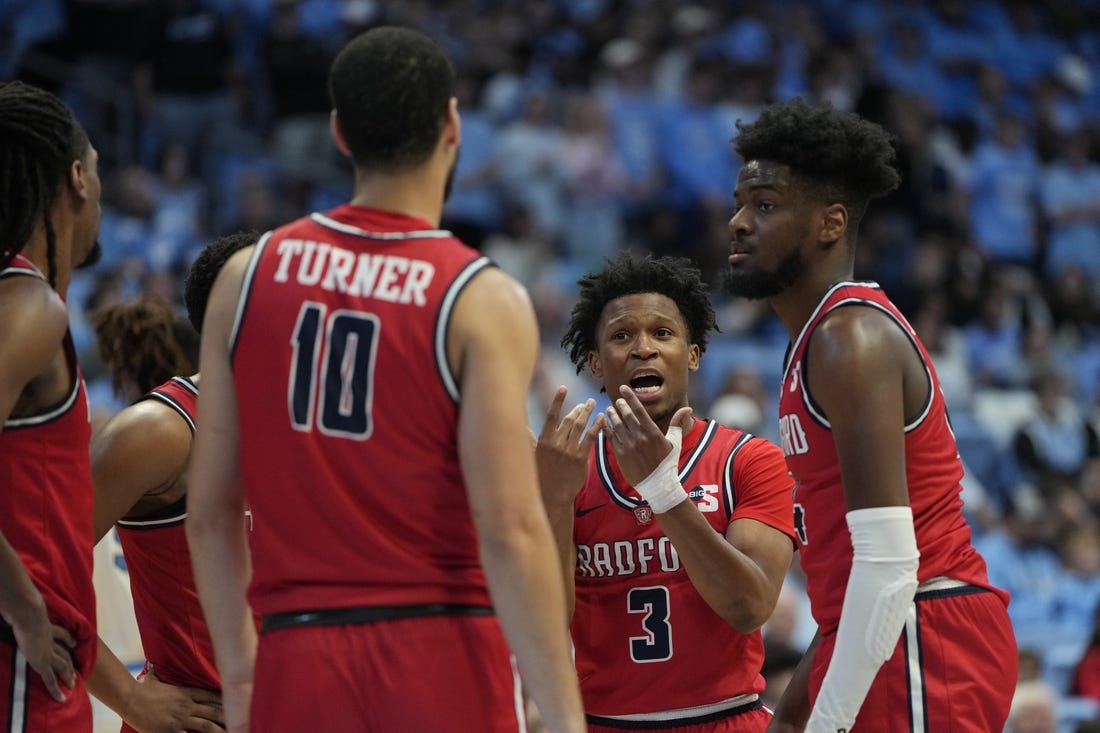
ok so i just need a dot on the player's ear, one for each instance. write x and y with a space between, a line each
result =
452 128
594 364
834 224
693 357
338 134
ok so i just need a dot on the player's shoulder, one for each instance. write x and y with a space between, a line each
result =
749 448
148 421
33 314
141 432
492 287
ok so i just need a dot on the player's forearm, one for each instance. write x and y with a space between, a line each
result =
731 583
220 558
793 709
524 583
560 515
19 598
110 682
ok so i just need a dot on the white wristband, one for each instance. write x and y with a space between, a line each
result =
662 488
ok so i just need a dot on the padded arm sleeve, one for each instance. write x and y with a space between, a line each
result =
880 592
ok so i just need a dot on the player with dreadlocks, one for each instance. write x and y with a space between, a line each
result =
49 219
139 464
675 533
911 636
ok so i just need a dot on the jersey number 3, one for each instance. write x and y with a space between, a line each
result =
656 645
332 371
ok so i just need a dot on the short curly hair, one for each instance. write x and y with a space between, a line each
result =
843 156
204 270
628 274
391 88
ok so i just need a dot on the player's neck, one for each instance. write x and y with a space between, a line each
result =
37 251
416 193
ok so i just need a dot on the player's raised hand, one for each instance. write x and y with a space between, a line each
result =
563 447
639 444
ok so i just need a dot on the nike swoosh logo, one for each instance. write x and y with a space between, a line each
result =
589 509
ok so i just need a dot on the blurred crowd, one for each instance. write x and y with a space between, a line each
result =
595 125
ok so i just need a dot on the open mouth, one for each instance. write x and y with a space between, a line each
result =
646 384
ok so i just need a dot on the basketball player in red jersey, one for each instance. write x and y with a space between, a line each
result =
364 376
670 587
49 220
139 464
911 636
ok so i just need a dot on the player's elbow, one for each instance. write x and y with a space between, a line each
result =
746 611
748 616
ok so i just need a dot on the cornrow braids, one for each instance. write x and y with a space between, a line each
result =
39 140
139 343
628 274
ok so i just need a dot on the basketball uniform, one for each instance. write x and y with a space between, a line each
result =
174 636
365 555
958 635
46 516
650 652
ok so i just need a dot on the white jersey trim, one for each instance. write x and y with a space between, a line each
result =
443 323
11 271
356 231
146 523
26 422
20 692
246 291
692 712
627 502
915 671
727 473
173 403
908 331
31 420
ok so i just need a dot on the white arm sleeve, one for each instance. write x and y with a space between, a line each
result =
879 594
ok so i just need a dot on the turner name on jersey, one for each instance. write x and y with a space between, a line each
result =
360 274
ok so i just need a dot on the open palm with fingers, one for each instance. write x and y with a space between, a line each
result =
563 448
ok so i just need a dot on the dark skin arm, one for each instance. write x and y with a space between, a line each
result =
138 462
869 379
561 453
32 361
739 574
139 459
793 710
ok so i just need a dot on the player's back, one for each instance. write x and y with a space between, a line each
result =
348 415
174 636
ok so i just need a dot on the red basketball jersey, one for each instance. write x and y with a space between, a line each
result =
173 631
46 500
348 415
645 640
932 464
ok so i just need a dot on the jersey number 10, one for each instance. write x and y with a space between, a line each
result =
332 371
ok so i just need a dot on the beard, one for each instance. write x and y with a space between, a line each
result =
92 257
756 284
